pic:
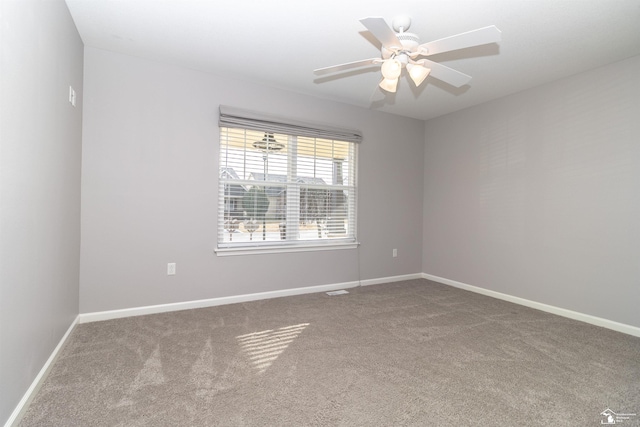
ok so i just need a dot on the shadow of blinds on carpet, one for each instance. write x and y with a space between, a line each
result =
264 347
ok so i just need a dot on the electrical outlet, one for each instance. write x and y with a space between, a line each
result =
171 269
395 253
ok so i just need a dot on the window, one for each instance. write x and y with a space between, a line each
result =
293 187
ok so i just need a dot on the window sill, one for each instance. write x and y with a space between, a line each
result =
259 250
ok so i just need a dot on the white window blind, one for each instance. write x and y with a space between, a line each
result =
285 190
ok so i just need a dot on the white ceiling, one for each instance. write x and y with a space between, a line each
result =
280 42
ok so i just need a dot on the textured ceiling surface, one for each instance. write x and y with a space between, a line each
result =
280 42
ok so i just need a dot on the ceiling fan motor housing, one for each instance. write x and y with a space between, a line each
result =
410 43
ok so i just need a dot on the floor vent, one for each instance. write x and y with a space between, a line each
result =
340 292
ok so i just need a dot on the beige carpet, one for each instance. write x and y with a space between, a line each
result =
413 353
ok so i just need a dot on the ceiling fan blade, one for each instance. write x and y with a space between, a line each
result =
446 74
346 66
381 30
490 34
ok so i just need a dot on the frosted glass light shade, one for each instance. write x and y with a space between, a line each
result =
389 85
391 68
418 73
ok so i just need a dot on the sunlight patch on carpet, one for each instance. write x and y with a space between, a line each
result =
264 347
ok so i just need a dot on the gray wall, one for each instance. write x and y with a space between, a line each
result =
537 195
40 151
149 188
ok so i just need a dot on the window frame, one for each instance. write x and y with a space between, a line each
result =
292 188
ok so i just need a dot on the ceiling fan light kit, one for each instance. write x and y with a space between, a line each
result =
391 68
389 85
400 49
418 73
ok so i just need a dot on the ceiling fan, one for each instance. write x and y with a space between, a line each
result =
401 50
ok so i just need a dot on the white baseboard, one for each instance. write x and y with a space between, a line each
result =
212 302
587 318
162 308
187 305
390 279
18 412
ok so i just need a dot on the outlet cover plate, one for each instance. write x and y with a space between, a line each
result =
171 269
